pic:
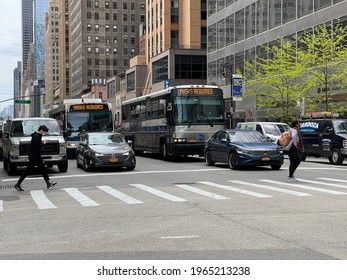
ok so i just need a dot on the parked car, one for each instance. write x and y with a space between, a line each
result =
324 137
271 130
1 141
242 147
104 149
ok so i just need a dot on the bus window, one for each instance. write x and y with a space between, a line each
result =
162 106
155 107
143 110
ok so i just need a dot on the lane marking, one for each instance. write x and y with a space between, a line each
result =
323 183
179 237
84 200
1 205
334 180
271 188
229 188
41 200
158 193
295 185
202 192
127 199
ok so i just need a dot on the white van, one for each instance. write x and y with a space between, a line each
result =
271 130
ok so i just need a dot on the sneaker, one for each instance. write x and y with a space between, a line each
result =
292 179
18 187
51 185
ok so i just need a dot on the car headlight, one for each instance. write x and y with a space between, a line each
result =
95 154
180 140
242 151
15 150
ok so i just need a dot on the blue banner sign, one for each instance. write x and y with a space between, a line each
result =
237 87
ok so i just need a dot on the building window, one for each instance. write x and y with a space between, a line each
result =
96 4
97 50
174 39
190 67
96 27
174 11
96 15
107 4
160 70
114 5
107 51
125 6
89 38
97 40
89 50
131 81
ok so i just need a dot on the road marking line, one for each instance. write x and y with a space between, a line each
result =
202 192
295 185
84 200
127 199
334 180
158 193
41 200
271 188
179 237
323 183
1 205
261 195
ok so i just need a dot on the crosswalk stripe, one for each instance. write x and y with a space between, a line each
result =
334 180
270 188
158 193
229 188
1 205
80 197
202 192
41 200
127 199
325 184
295 185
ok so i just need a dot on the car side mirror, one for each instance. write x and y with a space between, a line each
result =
224 141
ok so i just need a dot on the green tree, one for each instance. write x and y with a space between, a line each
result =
295 69
324 55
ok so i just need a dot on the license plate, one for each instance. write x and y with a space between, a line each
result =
113 159
265 158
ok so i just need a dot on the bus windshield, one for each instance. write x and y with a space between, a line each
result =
78 121
198 109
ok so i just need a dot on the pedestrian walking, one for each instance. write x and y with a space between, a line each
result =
35 158
294 147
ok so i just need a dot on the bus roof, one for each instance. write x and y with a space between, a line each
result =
165 91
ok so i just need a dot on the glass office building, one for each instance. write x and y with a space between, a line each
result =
238 30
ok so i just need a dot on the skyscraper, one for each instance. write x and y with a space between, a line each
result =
27 30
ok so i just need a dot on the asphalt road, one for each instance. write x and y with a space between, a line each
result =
177 210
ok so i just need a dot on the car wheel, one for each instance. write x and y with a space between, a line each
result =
276 167
78 163
11 168
208 157
232 161
130 168
336 157
63 167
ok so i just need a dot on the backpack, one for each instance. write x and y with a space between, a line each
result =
285 138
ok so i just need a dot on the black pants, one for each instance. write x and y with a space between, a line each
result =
294 159
30 168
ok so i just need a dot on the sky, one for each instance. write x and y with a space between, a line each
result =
10 46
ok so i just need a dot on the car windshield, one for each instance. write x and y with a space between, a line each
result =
283 127
340 126
272 129
106 139
247 137
27 127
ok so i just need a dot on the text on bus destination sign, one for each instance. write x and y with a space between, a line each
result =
84 107
202 91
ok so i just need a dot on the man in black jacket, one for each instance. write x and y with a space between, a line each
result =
35 158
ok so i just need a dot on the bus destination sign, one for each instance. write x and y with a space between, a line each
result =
88 107
196 91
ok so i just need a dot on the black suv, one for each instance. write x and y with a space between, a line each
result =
324 137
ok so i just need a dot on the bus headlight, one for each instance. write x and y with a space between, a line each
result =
180 140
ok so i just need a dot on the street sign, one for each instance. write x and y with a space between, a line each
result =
237 87
167 84
22 101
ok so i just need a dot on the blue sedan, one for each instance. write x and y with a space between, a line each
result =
242 148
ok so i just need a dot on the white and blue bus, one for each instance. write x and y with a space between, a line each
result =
174 121
82 115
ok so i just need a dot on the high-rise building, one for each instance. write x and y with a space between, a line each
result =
104 37
27 30
238 30
17 82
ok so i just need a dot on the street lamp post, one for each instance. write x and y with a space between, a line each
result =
226 66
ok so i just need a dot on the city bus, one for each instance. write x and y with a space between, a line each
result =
77 116
175 121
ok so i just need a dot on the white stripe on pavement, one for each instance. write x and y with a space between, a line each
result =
295 185
261 195
158 193
323 183
1 205
41 200
271 188
334 180
127 199
84 200
202 192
